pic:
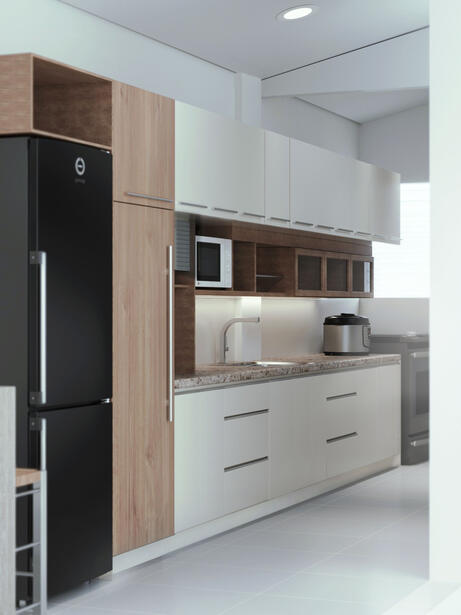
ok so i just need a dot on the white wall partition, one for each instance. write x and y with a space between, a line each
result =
445 451
7 500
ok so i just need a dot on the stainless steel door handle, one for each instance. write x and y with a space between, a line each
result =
230 211
248 213
170 335
303 223
422 442
192 204
279 219
39 397
148 196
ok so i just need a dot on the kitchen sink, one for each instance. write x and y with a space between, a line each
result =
255 364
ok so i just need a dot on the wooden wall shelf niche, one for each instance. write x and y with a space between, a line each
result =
47 98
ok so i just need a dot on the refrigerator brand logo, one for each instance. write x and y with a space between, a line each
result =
80 166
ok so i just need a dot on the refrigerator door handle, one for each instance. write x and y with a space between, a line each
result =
39 397
170 334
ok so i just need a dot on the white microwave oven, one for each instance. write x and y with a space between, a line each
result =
213 262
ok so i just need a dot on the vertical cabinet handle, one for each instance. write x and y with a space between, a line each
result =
39 259
170 335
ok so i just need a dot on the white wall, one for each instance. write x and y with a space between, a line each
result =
64 33
445 424
390 316
301 120
398 142
289 327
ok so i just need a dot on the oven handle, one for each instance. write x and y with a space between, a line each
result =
421 442
422 354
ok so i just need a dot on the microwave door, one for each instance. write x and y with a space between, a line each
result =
208 263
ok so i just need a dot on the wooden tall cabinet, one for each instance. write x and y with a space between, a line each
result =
143 430
143 128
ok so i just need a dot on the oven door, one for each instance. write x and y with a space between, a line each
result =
418 395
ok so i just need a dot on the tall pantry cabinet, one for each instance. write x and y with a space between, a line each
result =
143 233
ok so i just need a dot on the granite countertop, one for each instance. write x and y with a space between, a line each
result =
225 375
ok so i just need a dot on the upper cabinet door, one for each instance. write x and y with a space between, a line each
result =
143 147
321 188
277 178
385 206
219 165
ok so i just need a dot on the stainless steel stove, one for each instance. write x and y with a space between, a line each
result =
414 350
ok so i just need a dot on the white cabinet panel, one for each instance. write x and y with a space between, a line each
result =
245 486
385 207
387 426
297 457
219 165
321 188
246 437
277 178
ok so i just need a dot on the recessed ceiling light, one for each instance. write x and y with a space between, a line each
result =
295 12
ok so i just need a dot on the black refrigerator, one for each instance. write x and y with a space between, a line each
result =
56 338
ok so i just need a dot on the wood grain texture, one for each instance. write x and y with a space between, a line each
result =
143 146
143 437
27 476
81 110
279 262
16 93
184 330
244 266
307 278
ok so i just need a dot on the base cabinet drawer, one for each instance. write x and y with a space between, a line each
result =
245 485
246 437
345 452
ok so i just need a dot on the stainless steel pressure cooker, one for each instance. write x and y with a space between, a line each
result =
346 334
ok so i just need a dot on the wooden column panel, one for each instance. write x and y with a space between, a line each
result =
143 436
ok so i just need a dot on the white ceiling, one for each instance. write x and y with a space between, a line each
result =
244 36
366 106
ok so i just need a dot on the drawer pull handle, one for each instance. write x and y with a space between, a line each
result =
230 211
245 463
247 213
149 196
242 415
329 228
279 219
192 204
353 434
303 223
344 230
341 396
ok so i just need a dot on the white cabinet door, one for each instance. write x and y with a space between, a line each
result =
385 206
277 178
321 188
297 449
222 452
387 426
364 194
249 179
219 165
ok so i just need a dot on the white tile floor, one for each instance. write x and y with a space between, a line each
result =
358 551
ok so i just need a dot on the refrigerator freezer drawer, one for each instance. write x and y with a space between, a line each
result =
79 462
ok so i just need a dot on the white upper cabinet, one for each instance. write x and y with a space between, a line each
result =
277 178
385 205
321 188
219 165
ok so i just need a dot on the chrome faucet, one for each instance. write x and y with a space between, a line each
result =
225 329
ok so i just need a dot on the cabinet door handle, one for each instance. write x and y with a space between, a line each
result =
280 219
170 335
421 442
247 213
230 211
237 466
378 236
353 434
243 415
148 196
325 226
192 204
363 233
39 397
344 230
303 223
341 396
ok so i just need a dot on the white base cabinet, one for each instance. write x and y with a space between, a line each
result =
239 446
